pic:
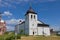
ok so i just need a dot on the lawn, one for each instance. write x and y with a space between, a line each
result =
11 36
40 38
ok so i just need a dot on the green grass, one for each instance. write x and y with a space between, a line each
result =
9 36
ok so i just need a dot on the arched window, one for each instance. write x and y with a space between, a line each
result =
31 16
34 16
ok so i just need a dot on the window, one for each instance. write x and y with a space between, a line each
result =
31 16
34 16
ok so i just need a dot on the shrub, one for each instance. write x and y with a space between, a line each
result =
10 36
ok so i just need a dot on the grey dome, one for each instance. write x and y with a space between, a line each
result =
30 10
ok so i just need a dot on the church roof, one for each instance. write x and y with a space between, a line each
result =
30 11
22 22
43 25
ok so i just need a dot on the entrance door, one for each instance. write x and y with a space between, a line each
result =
33 33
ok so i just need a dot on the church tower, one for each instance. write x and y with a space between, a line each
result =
31 22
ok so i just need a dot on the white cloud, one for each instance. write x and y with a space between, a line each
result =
11 23
10 3
7 13
55 28
14 21
10 28
7 3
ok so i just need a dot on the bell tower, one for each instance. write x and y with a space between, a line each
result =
31 21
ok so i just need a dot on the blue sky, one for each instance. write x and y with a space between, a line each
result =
48 11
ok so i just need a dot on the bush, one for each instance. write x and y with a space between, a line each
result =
10 36
18 36
58 34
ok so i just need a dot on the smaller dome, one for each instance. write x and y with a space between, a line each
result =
2 21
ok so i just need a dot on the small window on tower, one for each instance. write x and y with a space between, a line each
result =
34 16
31 16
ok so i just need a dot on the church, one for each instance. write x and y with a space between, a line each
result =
31 25
2 25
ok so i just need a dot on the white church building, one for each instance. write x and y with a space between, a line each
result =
32 26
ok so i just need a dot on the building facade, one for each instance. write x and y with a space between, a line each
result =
32 26
2 26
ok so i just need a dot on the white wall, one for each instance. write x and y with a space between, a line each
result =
17 29
21 27
40 30
27 24
32 24
46 31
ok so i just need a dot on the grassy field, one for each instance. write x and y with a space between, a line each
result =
11 36
40 38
